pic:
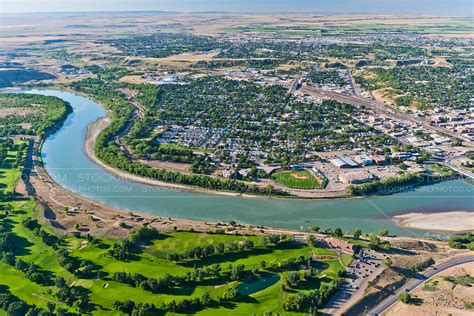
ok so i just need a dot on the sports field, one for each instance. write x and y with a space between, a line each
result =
301 179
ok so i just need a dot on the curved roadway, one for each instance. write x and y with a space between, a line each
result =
392 299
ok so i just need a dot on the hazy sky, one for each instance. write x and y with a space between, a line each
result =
464 7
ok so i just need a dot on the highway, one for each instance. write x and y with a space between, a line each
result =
392 299
378 107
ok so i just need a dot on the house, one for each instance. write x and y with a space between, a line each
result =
401 155
228 173
244 172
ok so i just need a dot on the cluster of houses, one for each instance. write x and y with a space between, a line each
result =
407 133
160 79
192 136
388 125
347 87
457 121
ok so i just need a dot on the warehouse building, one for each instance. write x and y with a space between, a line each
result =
344 162
363 160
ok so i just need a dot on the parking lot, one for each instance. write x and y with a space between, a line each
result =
362 270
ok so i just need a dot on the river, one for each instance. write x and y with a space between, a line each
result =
65 160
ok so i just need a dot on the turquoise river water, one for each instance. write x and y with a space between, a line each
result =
67 163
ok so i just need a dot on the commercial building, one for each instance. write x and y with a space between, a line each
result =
344 162
363 160
342 245
357 177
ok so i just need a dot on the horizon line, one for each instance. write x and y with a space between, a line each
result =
237 12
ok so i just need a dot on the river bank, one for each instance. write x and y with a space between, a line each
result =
62 209
98 126
443 222
72 170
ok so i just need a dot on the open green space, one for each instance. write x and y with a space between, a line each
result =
301 179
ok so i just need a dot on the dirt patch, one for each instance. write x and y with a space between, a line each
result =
173 166
4 112
133 79
299 176
440 297
27 39
386 95
179 60
441 62
469 35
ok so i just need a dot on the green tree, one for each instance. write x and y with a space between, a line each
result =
206 298
292 278
18 308
338 232
50 306
357 233
388 262
404 297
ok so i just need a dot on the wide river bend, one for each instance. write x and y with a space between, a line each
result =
65 160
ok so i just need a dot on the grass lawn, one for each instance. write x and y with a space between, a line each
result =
346 259
19 286
302 179
8 175
270 299
323 251
151 263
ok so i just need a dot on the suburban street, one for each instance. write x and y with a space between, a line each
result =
392 299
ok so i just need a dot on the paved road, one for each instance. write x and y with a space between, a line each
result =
464 172
354 288
392 299
295 85
378 108
138 112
